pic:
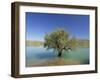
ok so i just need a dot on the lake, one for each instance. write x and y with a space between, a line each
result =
39 56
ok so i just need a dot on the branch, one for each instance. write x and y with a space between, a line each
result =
67 48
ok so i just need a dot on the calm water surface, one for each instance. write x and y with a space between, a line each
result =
39 55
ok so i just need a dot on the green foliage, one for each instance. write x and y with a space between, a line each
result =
58 40
73 43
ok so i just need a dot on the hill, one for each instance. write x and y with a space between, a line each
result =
34 43
80 43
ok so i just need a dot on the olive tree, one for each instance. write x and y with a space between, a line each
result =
58 40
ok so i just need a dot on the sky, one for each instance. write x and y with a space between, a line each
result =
37 24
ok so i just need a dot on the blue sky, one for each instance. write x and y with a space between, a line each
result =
37 24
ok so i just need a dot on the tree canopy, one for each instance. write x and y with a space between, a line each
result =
59 40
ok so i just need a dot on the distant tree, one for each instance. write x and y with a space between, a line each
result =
59 41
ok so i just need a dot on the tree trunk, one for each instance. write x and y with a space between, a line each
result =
59 53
